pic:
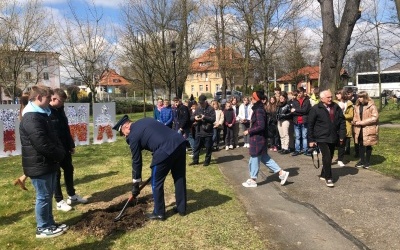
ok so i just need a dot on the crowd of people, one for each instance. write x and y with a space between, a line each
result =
295 124
288 123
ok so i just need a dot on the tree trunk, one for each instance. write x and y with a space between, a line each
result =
335 40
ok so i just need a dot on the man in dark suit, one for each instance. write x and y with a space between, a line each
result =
169 154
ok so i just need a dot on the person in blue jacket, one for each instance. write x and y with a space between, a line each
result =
166 114
169 154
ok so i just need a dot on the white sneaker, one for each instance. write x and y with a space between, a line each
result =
341 164
250 183
48 232
237 146
76 199
63 227
63 206
227 148
231 146
329 183
283 177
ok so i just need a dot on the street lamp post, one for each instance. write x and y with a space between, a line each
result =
173 50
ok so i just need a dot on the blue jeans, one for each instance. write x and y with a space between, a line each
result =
44 186
187 134
301 132
216 136
254 164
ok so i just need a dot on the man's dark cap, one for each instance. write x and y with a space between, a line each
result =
121 122
202 98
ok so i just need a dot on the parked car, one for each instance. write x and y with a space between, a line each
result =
237 94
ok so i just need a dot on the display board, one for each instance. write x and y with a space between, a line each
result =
78 121
9 128
103 121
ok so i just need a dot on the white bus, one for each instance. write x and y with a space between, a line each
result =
368 81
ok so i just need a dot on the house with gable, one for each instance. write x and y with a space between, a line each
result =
205 73
306 77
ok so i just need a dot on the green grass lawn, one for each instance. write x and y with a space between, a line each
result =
216 219
390 113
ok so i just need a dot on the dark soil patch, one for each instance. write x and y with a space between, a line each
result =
100 222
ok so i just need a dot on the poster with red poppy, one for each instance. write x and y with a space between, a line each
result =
9 133
78 121
103 121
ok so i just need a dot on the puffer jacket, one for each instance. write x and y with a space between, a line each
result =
41 149
368 124
348 116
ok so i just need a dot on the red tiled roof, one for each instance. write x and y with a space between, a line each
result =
312 73
208 60
112 78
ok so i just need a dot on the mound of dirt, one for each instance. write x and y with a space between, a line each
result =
100 222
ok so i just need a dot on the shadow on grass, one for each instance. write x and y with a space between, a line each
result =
111 193
89 178
204 199
12 218
103 244
377 159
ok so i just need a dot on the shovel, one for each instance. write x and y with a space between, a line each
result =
131 198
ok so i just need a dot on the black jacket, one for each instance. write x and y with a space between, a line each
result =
41 148
60 123
183 117
301 110
204 128
283 112
320 127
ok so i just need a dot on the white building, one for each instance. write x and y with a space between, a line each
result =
33 68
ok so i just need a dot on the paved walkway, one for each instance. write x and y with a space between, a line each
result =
360 212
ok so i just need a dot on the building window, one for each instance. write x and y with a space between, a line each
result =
217 74
28 75
45 76
201 75
27 61
206 75
286 87
116 80
201 88
217 87
44 61
192 88
206 88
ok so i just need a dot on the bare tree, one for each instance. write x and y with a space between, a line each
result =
336 39
265 26
24 28
151 26
84 45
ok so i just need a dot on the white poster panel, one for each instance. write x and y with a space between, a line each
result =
78 121
103 121
10 143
